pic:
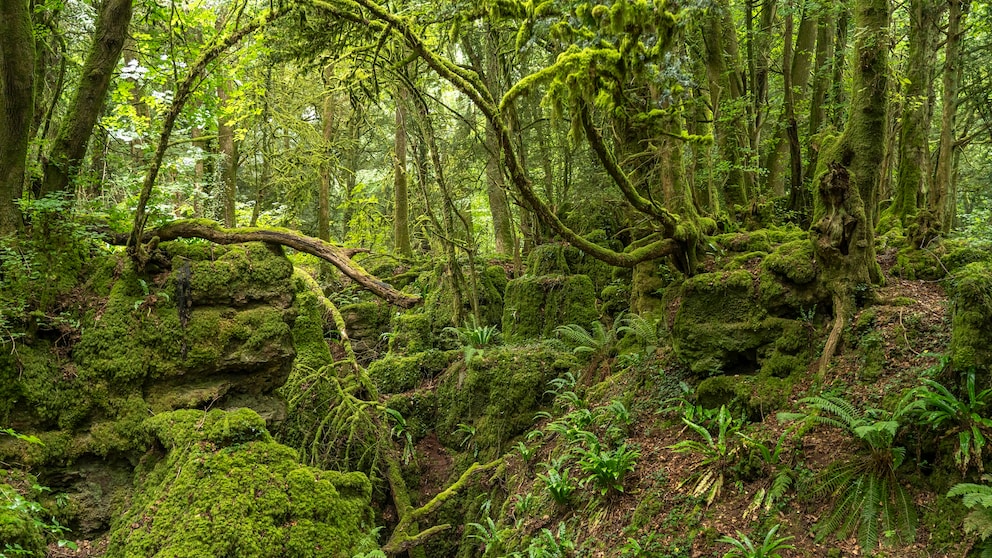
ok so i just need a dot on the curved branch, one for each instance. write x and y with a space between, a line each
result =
337 256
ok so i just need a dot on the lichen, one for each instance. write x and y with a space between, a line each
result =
224 488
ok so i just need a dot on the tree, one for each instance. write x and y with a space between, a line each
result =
62 163
846 195
16 106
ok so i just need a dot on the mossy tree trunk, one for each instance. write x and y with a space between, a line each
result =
942 201
846 194
401 210
16 106
63 161
913 171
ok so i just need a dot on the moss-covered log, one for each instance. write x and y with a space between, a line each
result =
337 256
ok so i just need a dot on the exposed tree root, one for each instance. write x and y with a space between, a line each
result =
833 340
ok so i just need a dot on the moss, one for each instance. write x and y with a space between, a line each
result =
535 306
498 395
615 299
20 526
236 274
311 347
396 374
547 259
918 264
971 330
780 365
224 488
755 396
794 261
411 334
367 319
419 409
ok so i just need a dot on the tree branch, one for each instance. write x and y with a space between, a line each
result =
337 256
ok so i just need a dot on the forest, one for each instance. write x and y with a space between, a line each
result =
495 278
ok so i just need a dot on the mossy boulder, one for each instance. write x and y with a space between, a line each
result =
367 322
439 303
720 326
233 275
971 330
21 516
396 373
411 334
221 487
498 394
535 306
548 259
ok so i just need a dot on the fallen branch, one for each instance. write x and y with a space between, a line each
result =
337 256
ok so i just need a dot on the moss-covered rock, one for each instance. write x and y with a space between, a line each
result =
21 519
971 332
224 488
720 325
535 306
233 275
411 334
498 394
396 373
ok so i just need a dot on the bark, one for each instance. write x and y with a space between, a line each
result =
821 83
401 211
326 177
228 157
836 100
63 162
846 191
726 78
337 256
796 62
16 106
942 201
912 173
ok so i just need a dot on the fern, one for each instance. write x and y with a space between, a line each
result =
719 454
586 342
868 500
978 499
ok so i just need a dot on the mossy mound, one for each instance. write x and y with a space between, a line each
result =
440 304
21 516
367 322
721 326
498 394
411 334
224 488
971 332
397 373
940 258
535 306
233 275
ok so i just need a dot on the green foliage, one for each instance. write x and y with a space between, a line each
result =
773 465
720 453
744 547
941 410
868 499
587 342
606 469
474 338
977 498
25 524
557 481
402 433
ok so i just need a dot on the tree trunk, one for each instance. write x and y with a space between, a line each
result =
401 211
942 201
836 100
821 83
62 163
16 106
847 182
326 177
229 157
912 172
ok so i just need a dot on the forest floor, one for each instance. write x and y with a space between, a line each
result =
889 345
